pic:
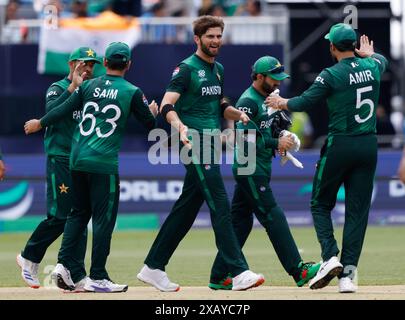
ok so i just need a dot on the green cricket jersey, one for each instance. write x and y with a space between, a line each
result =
106 102
252 103
200 85
351 88
58 137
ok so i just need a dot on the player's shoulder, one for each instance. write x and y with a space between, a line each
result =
130 87
61 84
329 72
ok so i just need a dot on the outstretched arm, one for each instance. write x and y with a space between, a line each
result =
60 112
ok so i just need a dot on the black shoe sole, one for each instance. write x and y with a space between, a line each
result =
321 283
61 284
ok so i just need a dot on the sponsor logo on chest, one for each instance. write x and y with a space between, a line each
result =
51 93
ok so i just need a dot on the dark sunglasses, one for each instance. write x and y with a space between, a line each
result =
277 70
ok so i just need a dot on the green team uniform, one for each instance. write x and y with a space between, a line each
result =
57 141
200 85
349 155
106 103
253 192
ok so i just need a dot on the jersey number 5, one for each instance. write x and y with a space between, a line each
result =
92 118
360 103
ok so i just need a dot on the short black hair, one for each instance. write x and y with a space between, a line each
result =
253 76
346 45
117 65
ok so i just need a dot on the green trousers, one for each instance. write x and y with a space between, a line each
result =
202 183
350 161
59 204
254 195
95 196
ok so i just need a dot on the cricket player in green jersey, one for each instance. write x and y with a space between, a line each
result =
106 103
2 167
58 141
349 155
253 192
194 99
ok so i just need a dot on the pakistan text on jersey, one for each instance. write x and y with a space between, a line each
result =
211 91
265 124
106 93
77 115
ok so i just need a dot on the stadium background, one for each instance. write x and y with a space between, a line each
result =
147 191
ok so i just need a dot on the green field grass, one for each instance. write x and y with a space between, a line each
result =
382 261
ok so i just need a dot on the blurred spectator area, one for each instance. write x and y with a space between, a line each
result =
161 22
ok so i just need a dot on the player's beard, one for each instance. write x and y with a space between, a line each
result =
207 51
334 59
268 88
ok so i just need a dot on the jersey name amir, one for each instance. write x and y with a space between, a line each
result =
360 77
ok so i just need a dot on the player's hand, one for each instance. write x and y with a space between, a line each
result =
244 118
79 75
2 170
366 47
184 136
153 107
285 142
32 126
276 102
401 170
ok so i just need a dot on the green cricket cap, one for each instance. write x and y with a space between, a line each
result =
271 67
340 33
118 51
84 54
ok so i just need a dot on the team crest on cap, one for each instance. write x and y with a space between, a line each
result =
175 71
90 53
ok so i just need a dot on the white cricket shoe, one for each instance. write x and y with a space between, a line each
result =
61 276
328 270
346 285
29 271
247 280
104 286
157 278
79 286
